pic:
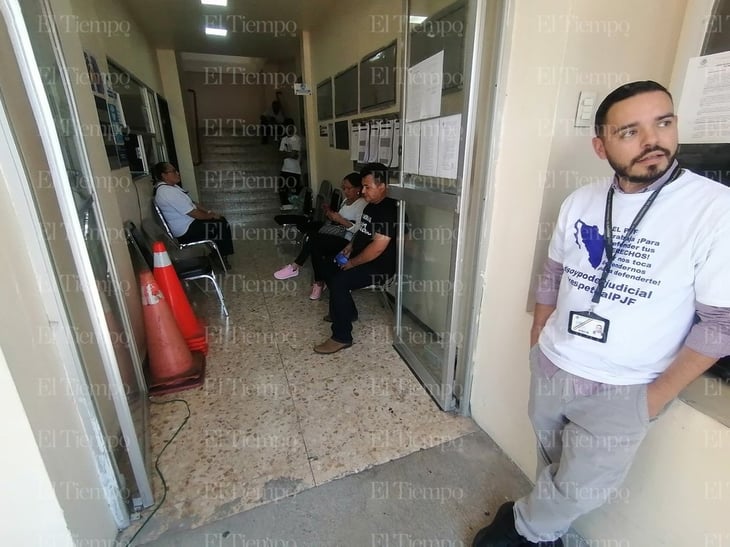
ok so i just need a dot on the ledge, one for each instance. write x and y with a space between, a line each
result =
711 396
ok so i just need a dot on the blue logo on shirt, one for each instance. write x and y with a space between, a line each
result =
592 240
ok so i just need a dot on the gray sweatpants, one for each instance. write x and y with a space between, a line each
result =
587 437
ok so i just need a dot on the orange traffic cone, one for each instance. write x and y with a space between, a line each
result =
172 366
165 275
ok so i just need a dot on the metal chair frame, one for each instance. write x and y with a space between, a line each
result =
207 242
190 269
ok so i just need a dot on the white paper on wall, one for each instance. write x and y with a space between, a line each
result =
449 137
362 146
395 156
385 145
429 147
704 108
411 147
424 88
354 141
374 142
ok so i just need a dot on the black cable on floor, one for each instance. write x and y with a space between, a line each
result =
157 462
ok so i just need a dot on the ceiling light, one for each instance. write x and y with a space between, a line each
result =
211 31
222 3
416 19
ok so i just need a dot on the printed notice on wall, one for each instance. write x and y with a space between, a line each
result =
704 109
411 147
448 148
354 141
429 148
424 88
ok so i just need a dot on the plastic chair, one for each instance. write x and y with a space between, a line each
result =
187 269
206 242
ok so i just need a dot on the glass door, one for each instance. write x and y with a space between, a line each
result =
438 110
91 290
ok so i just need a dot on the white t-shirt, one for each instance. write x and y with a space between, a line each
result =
679 255
291 144
174 205
353 213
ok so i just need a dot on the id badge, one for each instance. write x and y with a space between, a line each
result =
588 325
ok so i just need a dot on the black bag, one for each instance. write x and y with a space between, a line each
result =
333 230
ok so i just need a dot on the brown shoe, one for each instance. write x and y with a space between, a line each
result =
331 346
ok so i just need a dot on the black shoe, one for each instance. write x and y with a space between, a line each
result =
329 319
226 263
502 533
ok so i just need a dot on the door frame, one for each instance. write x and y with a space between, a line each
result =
46 125
473 202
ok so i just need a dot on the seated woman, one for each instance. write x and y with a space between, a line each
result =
188 221
331 238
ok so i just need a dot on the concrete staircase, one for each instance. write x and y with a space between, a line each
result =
238 178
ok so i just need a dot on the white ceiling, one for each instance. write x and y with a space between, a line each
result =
268 29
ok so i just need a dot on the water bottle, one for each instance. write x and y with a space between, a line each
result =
341 259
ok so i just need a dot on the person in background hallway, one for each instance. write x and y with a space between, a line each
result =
271 121
371 257
291 171
632 262
188 221
324 242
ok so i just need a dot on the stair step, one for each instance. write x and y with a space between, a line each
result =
219 204
229 192
238 177
264 219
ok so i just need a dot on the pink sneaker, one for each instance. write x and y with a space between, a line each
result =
317 291
286 272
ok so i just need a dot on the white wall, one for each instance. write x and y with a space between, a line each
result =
348 33
29 496
556 49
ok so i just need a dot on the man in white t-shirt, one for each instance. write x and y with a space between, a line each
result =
622 323
291 171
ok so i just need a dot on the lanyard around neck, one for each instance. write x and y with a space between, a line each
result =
608 231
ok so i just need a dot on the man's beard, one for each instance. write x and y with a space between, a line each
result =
655 171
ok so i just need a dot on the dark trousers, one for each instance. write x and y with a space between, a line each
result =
342 306
288 184
270 128
322 248
217 230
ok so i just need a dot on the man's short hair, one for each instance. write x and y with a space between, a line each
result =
377 170
622 93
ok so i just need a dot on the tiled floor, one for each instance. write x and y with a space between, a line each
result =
274 418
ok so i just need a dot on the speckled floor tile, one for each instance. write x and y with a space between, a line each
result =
274 418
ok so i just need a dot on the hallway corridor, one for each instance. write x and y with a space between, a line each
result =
273 418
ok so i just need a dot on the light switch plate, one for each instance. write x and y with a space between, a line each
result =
586 106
